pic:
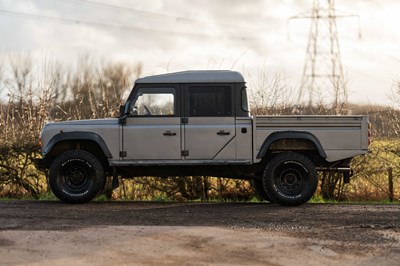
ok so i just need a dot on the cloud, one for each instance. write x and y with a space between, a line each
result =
195 35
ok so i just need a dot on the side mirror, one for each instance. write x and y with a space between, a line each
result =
121 110
122 115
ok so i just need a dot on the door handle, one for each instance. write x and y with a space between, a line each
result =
169 133
223 133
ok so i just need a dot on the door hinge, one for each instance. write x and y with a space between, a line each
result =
122 154
184 120
185 153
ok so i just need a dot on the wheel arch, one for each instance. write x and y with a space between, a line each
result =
89 141
291 136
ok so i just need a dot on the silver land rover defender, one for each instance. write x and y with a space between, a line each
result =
198 123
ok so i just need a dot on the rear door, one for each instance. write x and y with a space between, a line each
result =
209 123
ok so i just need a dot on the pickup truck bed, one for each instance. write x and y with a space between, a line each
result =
340 137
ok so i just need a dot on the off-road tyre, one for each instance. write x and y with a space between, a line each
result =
76 176
290 179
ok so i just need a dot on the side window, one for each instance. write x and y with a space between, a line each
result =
245 102
210 101
153 102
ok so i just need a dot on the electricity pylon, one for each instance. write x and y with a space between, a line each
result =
323 83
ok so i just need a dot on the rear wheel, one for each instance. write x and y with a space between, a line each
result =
76 176
290 179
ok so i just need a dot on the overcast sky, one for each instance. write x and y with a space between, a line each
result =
175 35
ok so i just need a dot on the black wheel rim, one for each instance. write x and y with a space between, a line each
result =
290 178
76 176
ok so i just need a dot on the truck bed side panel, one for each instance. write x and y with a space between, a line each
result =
341 137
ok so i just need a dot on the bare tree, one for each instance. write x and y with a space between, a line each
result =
270 95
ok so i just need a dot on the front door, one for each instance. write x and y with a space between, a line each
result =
153 128
209 129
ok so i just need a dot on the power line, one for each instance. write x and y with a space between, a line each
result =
120 26
154 14
323 76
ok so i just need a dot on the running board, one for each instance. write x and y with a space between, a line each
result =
178 162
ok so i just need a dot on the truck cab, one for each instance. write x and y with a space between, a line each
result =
195 117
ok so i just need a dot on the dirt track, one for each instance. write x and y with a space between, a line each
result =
148 233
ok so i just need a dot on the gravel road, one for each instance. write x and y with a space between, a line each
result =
153 233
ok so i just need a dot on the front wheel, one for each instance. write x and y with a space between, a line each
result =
290 179
76 176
